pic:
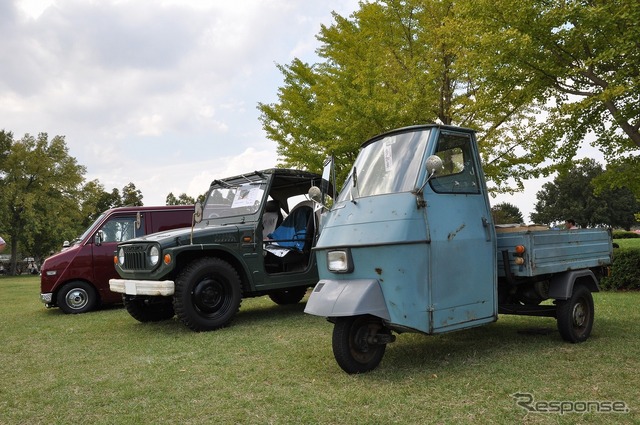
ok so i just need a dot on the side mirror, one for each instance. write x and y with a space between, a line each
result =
197 214
98 238
138 220
315 194
197 218
434 164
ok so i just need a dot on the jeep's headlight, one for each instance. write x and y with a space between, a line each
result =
154 255
339 261
121 256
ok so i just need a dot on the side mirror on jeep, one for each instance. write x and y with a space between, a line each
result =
197 214
315 194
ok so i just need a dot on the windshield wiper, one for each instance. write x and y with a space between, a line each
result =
354 177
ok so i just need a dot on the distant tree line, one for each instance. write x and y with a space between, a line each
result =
576 194
44 198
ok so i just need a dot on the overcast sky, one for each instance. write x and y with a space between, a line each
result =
161 93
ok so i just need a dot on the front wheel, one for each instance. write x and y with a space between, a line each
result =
575 315
357 344
207 294
77 297
149 309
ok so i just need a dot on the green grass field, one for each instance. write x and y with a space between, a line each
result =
274 365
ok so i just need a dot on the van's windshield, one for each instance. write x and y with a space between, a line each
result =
88 230
388 165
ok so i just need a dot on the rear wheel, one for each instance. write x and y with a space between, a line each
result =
207 294
288 296
149 309
354 343
77 297
575 315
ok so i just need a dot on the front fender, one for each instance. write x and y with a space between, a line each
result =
341 298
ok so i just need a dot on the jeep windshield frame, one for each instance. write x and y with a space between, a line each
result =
235 197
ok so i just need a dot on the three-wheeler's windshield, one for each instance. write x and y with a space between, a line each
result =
388 165
229 200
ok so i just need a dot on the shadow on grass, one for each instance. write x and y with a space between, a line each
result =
466 350
248 316
506 342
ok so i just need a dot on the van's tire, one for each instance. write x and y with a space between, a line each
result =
208 293
351 348
77 297
149 309
575 315
288 296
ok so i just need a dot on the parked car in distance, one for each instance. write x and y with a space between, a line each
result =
76 279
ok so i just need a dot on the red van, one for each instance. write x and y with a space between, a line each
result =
77 278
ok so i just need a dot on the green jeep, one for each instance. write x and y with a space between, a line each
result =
252 237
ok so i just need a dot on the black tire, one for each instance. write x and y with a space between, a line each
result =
351 348
288 296
575 315
77 297
207 294
149 309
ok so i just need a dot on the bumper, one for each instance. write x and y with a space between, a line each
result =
152 288
46 297
332 298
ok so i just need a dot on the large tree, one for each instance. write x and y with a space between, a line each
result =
572 194
396 63
534 78
506 213
584 58
131 196
39 184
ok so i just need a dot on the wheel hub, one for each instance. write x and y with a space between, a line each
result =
579 315
77 298
208 295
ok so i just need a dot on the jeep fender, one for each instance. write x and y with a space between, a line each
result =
342 298
561 285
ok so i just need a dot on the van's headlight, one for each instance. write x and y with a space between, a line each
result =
121 256
339 261
154 255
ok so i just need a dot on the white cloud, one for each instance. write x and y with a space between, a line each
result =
159 93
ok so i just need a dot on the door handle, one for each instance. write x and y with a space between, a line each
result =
487 230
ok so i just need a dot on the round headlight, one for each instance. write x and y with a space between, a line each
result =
121 256
154 255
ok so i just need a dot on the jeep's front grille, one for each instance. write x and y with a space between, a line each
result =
134 258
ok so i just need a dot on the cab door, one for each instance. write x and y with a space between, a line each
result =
462 259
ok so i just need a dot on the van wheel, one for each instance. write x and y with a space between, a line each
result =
575 315
288 296
148 309
353 345
77 297
207 294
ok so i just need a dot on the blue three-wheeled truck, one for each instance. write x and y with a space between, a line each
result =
409 245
